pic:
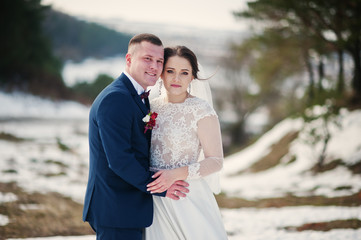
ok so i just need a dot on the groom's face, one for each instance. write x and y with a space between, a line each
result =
145 63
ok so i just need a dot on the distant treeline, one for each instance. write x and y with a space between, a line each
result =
35 41
76 39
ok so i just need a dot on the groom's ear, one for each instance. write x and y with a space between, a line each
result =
128 59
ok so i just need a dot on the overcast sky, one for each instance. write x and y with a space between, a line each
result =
213 14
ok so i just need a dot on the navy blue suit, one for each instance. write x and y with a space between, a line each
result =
116 194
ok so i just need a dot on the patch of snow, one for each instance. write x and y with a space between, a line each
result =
20 105
7 197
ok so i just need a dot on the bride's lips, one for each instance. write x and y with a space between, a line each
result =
175 85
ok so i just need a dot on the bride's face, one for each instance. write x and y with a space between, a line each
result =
177 75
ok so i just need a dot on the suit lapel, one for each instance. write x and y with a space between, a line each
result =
145 109
134 94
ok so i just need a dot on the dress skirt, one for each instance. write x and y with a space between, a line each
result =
195 217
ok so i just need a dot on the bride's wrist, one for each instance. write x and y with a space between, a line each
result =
185 173
182 173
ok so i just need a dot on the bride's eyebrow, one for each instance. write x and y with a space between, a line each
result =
184 69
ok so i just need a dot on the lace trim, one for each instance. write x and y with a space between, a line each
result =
193 171
154 169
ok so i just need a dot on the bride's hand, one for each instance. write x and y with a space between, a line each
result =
165 178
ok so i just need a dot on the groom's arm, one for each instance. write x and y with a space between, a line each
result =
115 121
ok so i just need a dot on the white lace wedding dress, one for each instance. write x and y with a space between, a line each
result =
175 144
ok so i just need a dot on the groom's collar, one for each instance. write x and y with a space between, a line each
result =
136 85
127 81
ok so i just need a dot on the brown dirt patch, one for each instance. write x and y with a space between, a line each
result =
327 226
52 215
355 168
233 202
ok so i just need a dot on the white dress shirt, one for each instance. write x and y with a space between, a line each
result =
136 85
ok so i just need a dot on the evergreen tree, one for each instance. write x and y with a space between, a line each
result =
27 62
317 20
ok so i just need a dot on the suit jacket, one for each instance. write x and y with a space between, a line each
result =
116 194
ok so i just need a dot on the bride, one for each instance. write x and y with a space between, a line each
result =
186 128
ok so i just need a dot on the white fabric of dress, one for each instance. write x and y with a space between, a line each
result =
175 144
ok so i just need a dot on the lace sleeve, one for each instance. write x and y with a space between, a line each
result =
205 167
209 135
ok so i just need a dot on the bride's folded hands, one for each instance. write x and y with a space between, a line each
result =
165 178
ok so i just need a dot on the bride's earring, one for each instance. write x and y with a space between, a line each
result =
160 87
189 88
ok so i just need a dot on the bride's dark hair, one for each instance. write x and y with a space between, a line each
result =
183 52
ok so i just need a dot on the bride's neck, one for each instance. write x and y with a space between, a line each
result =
177 98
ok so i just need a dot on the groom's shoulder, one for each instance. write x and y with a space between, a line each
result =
116 96
113 94
113 102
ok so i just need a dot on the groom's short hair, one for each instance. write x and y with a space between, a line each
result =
147 37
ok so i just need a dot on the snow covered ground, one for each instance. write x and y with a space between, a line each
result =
39 164
261 224
344 144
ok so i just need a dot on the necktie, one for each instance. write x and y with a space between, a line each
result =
144 95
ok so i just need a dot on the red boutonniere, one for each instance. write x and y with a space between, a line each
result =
149 120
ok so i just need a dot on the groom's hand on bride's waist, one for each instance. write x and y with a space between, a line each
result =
177 189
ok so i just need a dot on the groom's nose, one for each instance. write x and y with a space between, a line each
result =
155 65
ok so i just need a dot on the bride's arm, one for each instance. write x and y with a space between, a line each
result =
209 135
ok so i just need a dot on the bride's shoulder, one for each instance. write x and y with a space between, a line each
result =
201 108
201 104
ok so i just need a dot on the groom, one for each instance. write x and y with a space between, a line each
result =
117 204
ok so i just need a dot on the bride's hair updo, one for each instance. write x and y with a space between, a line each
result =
183 52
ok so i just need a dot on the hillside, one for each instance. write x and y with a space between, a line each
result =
282 162
74 39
